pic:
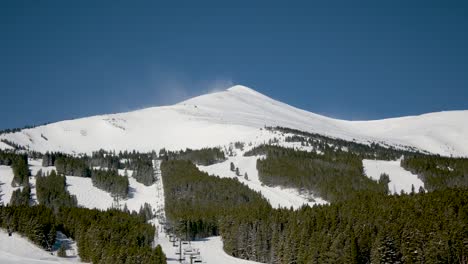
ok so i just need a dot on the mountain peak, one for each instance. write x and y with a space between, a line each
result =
241 88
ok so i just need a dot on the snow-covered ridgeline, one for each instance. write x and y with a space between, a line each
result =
233 115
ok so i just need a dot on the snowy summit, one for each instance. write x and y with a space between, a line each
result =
237 114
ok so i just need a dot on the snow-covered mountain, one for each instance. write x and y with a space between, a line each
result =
237 114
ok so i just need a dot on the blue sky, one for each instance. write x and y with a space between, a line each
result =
345 59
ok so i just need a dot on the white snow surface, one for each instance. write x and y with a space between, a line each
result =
211 251
90 196
277 196
400 179
4 146
236 115
6 190
19 250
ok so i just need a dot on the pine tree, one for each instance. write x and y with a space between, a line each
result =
62 252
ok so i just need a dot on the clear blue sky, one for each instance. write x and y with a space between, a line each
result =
345 59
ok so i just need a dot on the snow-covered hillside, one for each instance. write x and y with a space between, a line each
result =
277 196
237 114
19 250
400 179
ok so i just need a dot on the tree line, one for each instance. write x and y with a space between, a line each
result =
324 143
369 227
19 164
333 175
204 156
109 236
110 181
438 172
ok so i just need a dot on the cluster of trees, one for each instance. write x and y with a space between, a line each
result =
333 175
370 227
111 237
48 159
36 223
51 191
21 196
197 202
73 166
20 171
140 163
111 181
19 164
204 156
102 237
326 144
438 172
143 170
105 159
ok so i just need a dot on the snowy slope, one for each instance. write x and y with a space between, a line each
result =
211 251
277 196
400 179
237 114
19 250
6 190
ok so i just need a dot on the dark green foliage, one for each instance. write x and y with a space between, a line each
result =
205 156
102 237
20 171
49 158
111 181
384 180
7 157
146 212
140 163
334 175
105 159
36 223
143 170
438 172
429 228
21 197
368 227
51 191
110 237
197 202
62 252
19 164
72 166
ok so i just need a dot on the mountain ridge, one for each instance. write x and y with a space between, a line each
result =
237 114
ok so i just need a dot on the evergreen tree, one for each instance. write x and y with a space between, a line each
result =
62 252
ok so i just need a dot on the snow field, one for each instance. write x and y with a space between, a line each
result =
233 115
400 179
277 196
6 190
19 250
